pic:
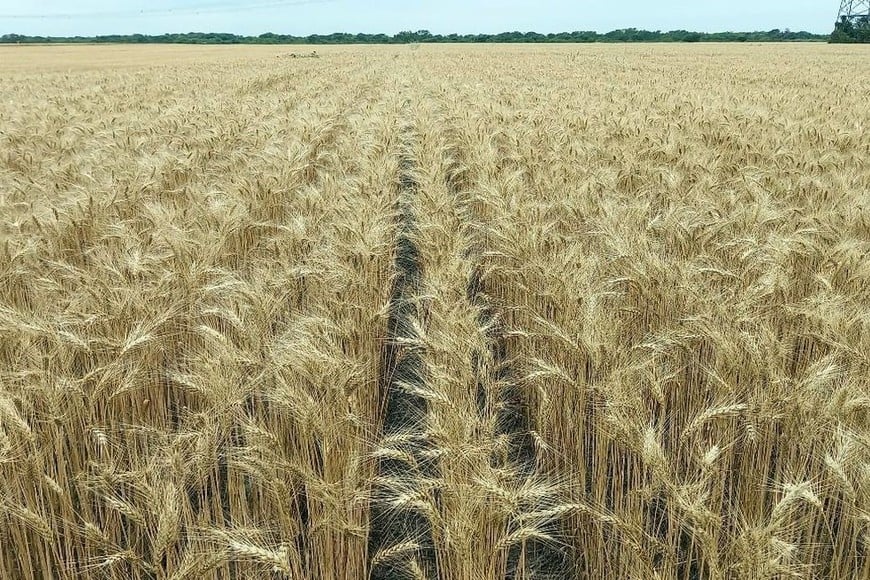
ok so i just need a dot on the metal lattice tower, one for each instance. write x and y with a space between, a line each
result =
854 10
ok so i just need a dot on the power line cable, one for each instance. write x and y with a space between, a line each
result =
205 8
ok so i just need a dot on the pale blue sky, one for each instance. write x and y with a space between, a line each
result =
301 17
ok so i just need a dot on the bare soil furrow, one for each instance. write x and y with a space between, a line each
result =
400 539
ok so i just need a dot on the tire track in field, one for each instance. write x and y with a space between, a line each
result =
405 490
499 391
400 538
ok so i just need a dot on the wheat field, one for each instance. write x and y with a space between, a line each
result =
435 312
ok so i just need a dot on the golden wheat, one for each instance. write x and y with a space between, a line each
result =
456 312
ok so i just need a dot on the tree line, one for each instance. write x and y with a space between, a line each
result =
424 36
852 31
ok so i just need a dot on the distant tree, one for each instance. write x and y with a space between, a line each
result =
845 31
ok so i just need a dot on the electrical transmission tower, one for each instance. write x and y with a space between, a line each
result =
854 11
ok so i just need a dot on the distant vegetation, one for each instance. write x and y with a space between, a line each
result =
408 37
847 31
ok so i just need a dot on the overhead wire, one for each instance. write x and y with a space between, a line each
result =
203 8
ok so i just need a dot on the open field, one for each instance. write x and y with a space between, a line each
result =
453 312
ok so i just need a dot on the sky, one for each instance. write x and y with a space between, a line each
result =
303 17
